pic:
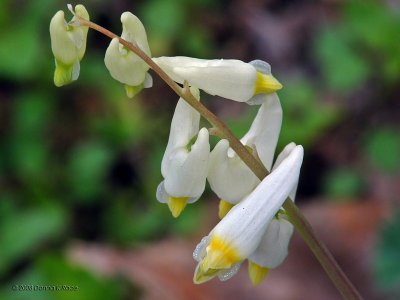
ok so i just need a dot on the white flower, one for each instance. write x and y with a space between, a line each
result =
229 177
228 78
184 166
124 65
239 234
68 44
273 247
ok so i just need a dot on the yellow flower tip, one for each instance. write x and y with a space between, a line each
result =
266 84
257 273
62 75
176 205
220 255
201 275
224 208
132 91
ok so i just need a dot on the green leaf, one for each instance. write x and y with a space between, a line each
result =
26 232
343 68
306 118
53 270
31 113
164 17
343 183
382 147
87 169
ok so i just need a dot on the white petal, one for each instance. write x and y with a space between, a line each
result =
225 275
63 47
133 31
125 66
245 224
188 170
232 79
264 131
184 126
273 247
285 153
229 177
148 81
200 251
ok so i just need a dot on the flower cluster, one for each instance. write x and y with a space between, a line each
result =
253 223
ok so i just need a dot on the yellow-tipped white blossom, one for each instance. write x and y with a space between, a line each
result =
68 43
124 65
184 165
228 78
229 177
239 234
273 247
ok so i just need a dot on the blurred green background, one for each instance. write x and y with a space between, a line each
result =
82 162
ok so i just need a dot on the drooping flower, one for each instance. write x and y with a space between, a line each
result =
228 78
185 162
124 65
239 234
229 177
273 247
68 44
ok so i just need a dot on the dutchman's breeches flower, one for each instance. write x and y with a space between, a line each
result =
273 247
228 175
228 78
240 232
124 65
68 44
185 164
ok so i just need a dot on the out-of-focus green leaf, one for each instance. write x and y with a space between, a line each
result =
382 147
305 118
342 184
87 169
197 43
31 113
26 231
387 257
164 17
188 222
53 270
127 223
29 157
343 68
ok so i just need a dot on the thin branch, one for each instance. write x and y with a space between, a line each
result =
321 252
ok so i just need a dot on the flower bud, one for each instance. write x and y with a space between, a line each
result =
124 65
68 43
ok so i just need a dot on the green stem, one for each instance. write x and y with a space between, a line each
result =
325 258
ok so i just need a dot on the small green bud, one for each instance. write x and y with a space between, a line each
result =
68 43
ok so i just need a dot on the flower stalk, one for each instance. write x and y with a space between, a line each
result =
321 252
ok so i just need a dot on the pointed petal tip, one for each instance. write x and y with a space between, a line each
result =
223 208
176 205
257 273
267 84
202 276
